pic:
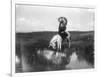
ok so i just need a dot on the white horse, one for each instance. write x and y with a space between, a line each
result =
56 41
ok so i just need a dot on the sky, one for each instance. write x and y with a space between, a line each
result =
30 18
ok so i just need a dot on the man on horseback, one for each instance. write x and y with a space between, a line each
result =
56 41
62 30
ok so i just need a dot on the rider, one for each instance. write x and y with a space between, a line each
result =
62 29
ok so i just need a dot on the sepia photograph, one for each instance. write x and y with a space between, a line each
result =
53 38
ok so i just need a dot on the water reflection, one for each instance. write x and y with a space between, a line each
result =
46 61
75 63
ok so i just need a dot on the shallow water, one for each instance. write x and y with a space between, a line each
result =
75 63
47 55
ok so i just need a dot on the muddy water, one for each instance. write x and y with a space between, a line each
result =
75 63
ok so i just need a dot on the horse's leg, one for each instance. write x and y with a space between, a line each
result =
69 43
59 47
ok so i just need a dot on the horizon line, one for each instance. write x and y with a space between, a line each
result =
55 31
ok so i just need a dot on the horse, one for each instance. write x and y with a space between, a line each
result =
56 41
